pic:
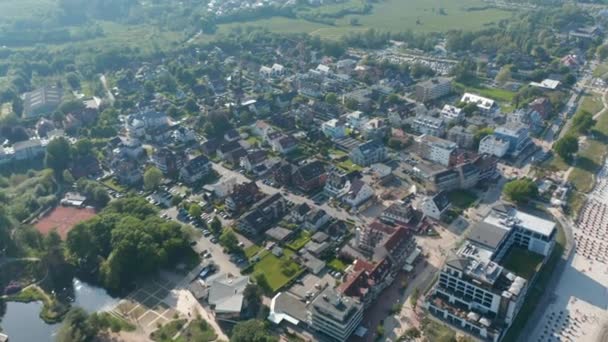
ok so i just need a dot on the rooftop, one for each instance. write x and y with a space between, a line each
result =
330 303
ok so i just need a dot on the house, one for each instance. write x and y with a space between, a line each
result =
210 146
542 106
375 128
41 101
547 84
276 70
337 183
310 176
486 106
493 145
127 171
463 137
279 234
367 153
263 215
253 159
195 169
355 119
282 173
528 117
300 212
226 148
167 161
435 206
517 134
225 295
358 193
183 135
261 128
315 219
333 129
242 196
433 89
284 144
366 280
429 125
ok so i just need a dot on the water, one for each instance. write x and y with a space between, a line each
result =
22 322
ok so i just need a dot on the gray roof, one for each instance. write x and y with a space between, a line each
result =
288 304
330 303
487 235
226 292
458 263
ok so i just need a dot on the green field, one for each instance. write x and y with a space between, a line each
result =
523 262
21 9
393 16
462 199
270 267
300 240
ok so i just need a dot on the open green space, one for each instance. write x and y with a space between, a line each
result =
337 264
393 16
277 271
114 185
349 166
600 70
300 240
588 162
523 262
496 94
20 9
462 199
167 331
592 103
251 251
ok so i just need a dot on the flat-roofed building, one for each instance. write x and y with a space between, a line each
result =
335 315
433 89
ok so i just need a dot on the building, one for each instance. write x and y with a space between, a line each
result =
358 193
337 183
486 106
375 128
429 125
225 295
310 176
253 160
284 144
167 161
41 101
452 113
366 280
464 137
242 196
195 169
334 129
368 153
399 212
433 89
335 315
435 206
493 145
518 136
435 149
355 119
474 291
542 106
263 215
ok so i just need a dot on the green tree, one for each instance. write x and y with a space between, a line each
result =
504 75
195 210
152 178
253 300
229 240
216 226
83 147
331 98
351 104
582 121
414 297
602 52
75 327
520 190
58 156
566 147
480 134
262 282
73 80
252 331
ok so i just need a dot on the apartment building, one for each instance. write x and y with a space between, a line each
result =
493 145
429 125
335 315
368 153
433 89
435 149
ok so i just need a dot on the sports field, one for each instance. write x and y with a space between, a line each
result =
63 219
395 16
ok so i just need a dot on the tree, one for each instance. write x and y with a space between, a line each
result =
414 298
520 190
215 226
229 240
480 134
58 156
566 147
331 98
253 300
75 327
83 147
351 104
602 52
583 121
152 178
71 106
73 80
262 282
195 210
252 330
504 75
395 144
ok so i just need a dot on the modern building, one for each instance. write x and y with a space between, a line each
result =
167 161
433 89
435 149
358 193
493 145
518 136
334 129
486 106
429 125
225 295
368 153
335 315
464 137
399 212
435 206
474 291
452 113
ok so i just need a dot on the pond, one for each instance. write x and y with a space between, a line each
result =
22 322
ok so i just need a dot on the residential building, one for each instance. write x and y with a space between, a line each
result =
435 149
463 176
433 89
435 206
474 291
28 149
518 136
167 161
542 106
253 159
127 171
368 153
429 125
399 212
242 196
334 129
529 117
195 169
375 128
41 101
493 145
337 183
462 136
263 215
310 176
335 315
358 193
315 219
452 113
366 281
486 106
284 144
355 119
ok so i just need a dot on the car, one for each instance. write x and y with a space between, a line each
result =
206 233
192 243
214 240
207 255
203 252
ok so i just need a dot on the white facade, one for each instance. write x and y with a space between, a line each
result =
452 113
493 146
333 129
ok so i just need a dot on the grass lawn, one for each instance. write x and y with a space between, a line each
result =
252 250
493 93
588 162
462 199
300 240
349 166
600 70
167 331
436 331
337 264
523 262
389 15
592 103
197 331
253 140
270 267
113 184
556 163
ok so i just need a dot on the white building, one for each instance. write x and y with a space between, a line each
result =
335 315
429 125
436 149
435 206
486 106
333 129
355 119
493 145
452 113
358 193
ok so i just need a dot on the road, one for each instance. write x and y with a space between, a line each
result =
104 82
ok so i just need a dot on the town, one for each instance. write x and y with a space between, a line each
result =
277 186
